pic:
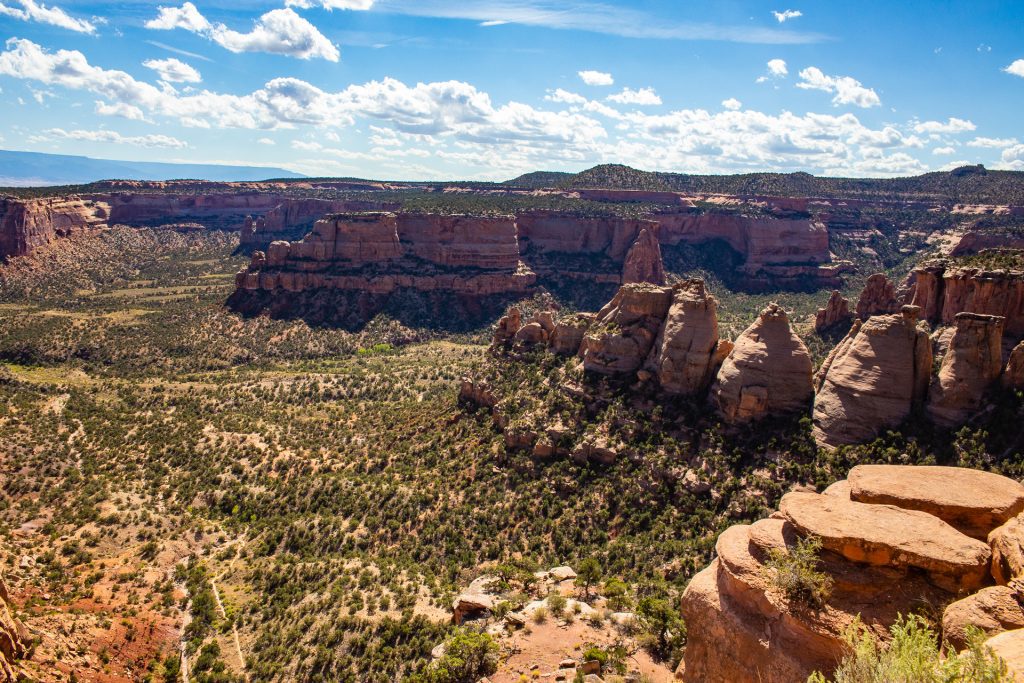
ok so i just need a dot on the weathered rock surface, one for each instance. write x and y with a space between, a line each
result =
974 242
12 645
972 501
294 217
1007 543
872 379
643 262
26 224
836 311
1013 374
569 331
625 329
943 290
768 371
687 349
474 602
972 364
507 327
883 562
886 535
1009 647
477 392
993 610
877 298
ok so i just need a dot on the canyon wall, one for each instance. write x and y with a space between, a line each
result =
27 224
222 211
292 218
942 289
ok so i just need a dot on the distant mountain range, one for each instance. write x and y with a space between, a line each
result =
27 169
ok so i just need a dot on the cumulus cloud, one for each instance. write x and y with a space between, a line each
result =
596 78
777 68
786 15
53 15
173 70
1013 158
1016 68
847 90
944 150
991 142
564 97
266 141
279 31
164 141
332 4
732 104
953 125
641 97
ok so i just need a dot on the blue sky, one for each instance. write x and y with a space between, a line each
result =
432 89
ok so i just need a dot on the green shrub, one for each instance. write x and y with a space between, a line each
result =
794 572
468 656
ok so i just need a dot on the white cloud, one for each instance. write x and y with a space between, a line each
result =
1013 158
564 97
1016 68
266 141
641 97
596 78
777 68
787 15
55 16
944 150
991 142
953 125
279 31
110 136
332 4
173 70
732 104
847 90
493 22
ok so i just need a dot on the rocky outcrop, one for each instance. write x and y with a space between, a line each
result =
943 289
768 371
624 331
568 232
872 379
508 325
225 210
643 262
687 350
488 242
974 242
836 311
569 331
882 561
477 392
12 644
294 217
1013 374
27 224
877 298
970 367
1007 543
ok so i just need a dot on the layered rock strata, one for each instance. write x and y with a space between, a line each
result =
768 372
942 290
883 560
27 224
877 298
872 379
643 262
836 311
970 367
294 217
625 329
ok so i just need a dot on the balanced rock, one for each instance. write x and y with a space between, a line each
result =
643 262
768 371
688 350
970 366
890 536
877 298
872 379
972 501
993 610
1007 543
837 310
1013 375
625 329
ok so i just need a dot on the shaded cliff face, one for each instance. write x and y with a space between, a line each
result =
893 538
943 290
30 223
970 367
225 211
294 217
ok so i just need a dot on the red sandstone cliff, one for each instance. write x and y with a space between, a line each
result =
942 290
26 224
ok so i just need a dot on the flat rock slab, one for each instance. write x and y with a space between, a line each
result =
890 536
1010 647
972 501
993 610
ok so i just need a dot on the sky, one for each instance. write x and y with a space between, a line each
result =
490 89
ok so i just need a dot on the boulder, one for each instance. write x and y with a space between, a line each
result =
1013 375
625 329
531 334
687 350
971 501
1009 647
568 333
993 610
507 327
1007 543
768 371
872 379
890 536
474 602
643 261
836 311
971 365
877 298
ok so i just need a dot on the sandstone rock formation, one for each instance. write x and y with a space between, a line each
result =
477 392
292 218
508 325
943 289
625 329
1007 542
568 232
1009 647
568 334
768 371
837 310
1013 374
687 350
872 379
12 645
882 559
971 365
26 224
974 242
643 262
877 298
